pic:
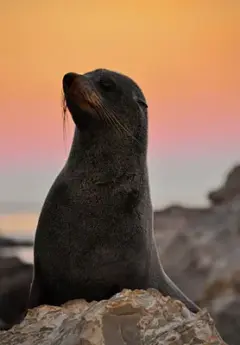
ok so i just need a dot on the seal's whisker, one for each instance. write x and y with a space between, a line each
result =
117 121
107 117
109 120
110 117
112 121
65 118
98 103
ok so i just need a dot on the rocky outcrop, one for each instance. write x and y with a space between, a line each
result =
6 242
200 251
229 190
128 318
15 279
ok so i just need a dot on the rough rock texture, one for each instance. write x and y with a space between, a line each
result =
15 279
128 318
200 251
229 190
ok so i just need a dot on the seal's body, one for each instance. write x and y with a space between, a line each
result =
95 233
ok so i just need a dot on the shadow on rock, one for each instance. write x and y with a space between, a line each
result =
15 280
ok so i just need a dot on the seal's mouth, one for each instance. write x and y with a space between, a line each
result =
80 93
82 99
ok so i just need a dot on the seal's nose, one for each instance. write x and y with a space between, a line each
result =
68 79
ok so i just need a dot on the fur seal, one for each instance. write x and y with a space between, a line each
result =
95 231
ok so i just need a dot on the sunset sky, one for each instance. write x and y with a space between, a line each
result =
185 56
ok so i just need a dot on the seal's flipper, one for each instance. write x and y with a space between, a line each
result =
169 288
4 326
34 299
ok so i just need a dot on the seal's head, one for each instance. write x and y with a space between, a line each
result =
103 99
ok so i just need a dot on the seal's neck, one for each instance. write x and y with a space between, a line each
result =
103 152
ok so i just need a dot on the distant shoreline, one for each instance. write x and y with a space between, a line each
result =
24 222
18 224
12 207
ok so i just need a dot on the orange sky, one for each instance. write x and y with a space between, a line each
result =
184 54
180 52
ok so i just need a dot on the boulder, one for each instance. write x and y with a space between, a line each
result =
128 318
9 242
15 280
229 190
200 251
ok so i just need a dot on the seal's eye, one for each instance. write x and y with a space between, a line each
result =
107 84
142 103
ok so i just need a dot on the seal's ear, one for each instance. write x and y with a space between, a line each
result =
142 103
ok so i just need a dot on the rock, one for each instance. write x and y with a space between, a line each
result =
6 242
128 318
10 266
229 190
200 251
15 280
